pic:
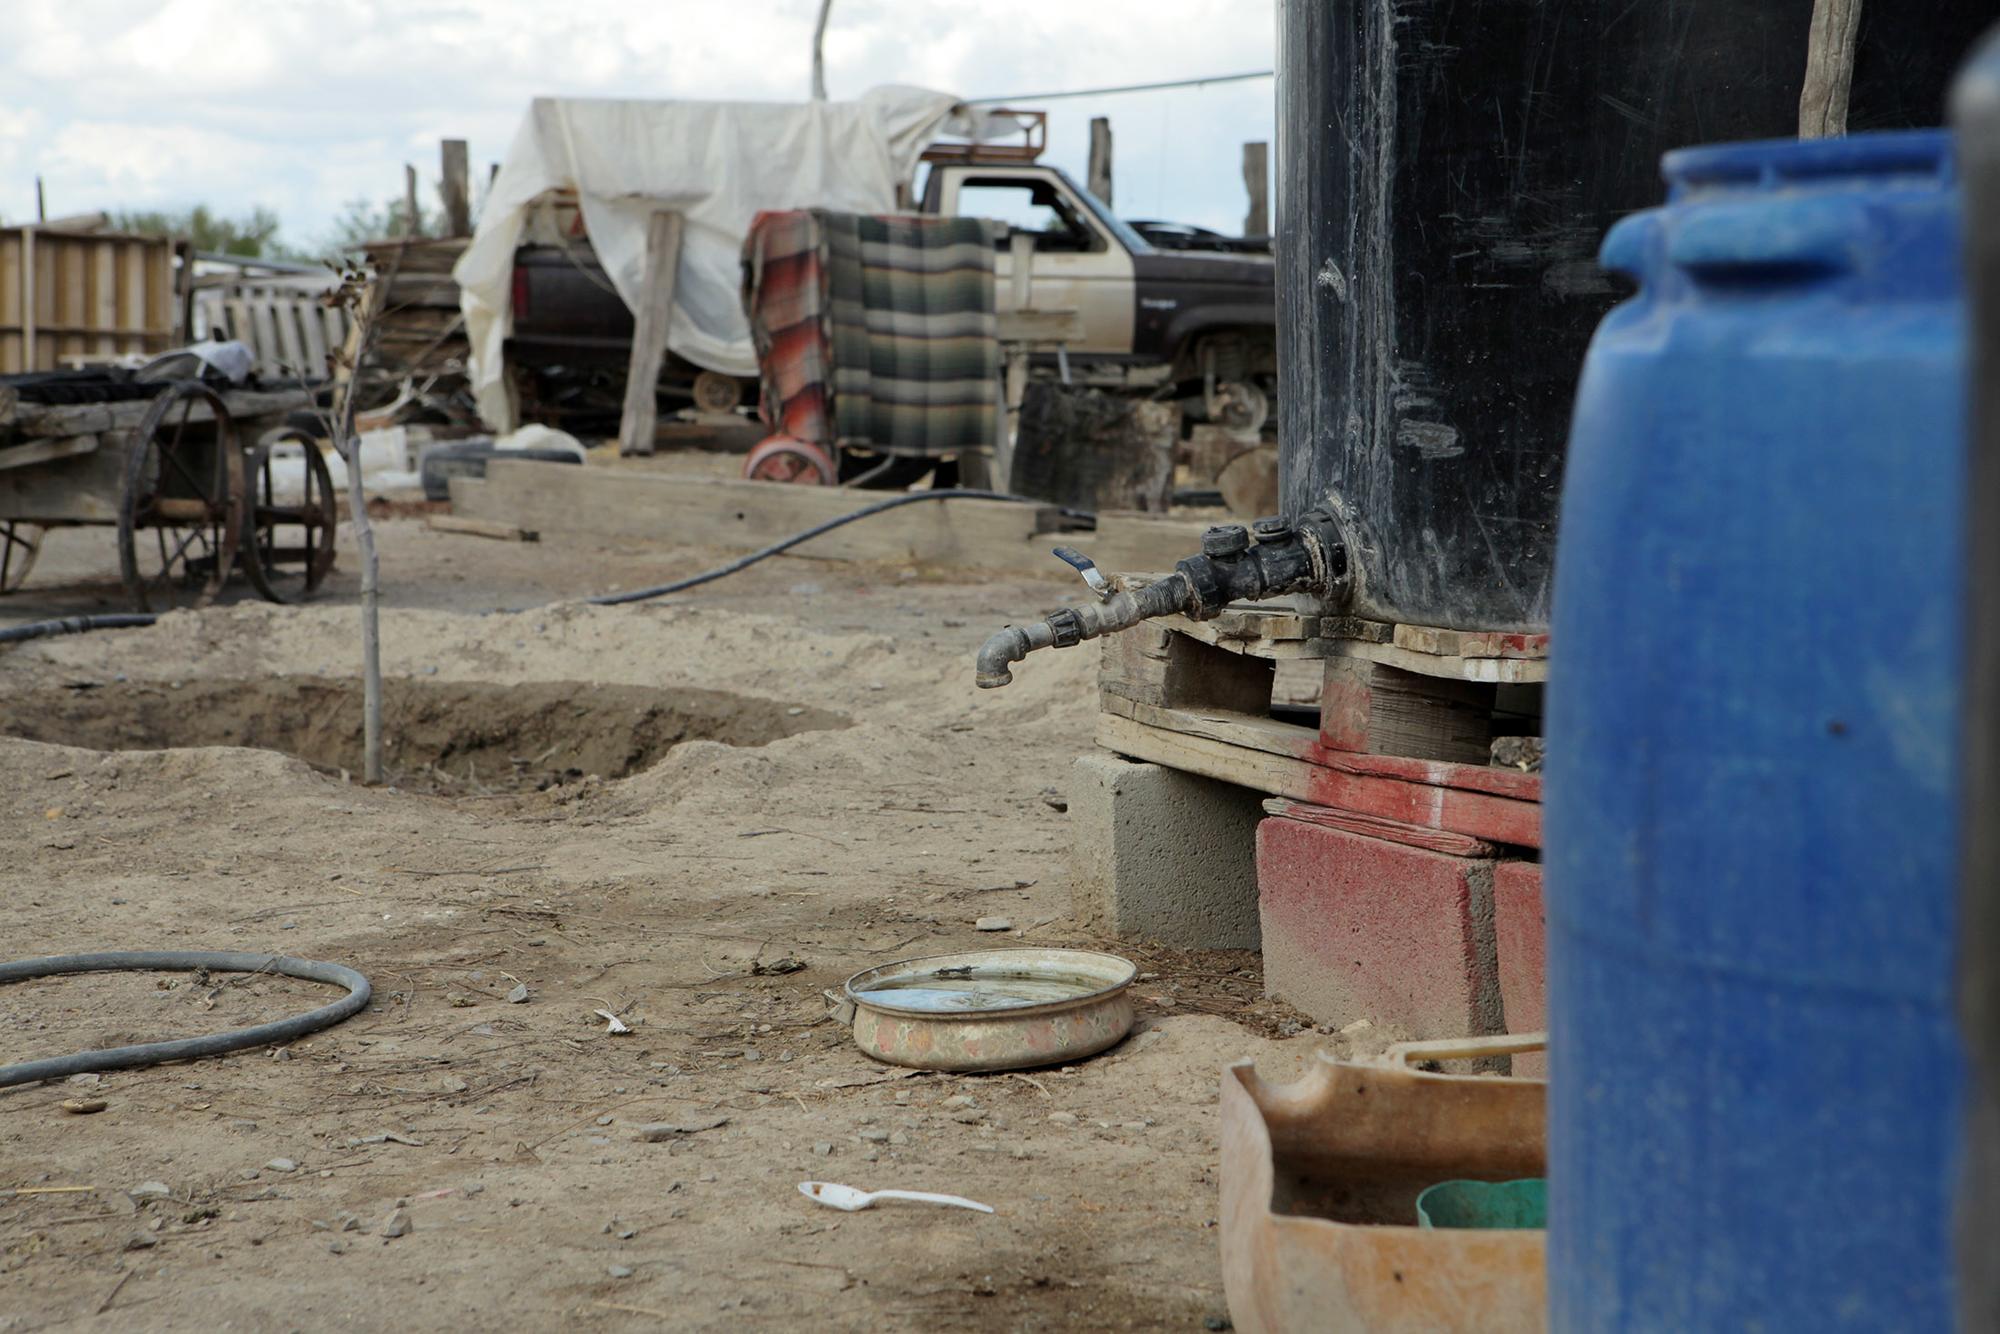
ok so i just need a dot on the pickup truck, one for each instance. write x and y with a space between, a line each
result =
1110 308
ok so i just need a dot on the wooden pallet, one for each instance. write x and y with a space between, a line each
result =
1197 697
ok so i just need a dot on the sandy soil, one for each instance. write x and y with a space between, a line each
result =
875 807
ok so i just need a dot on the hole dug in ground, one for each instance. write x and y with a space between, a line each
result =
440 737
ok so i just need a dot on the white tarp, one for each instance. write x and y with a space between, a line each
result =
717 164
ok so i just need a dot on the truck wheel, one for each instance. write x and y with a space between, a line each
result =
1241 408
714 392
784 459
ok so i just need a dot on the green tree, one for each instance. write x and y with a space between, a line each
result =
253 235
362 221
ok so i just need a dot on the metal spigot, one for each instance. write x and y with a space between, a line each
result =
1310 554
1086 567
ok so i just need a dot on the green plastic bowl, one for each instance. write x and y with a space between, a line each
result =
1485 1204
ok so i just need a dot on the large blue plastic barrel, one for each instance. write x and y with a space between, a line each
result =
1751 787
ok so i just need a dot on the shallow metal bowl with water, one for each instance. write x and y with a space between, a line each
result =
992 1009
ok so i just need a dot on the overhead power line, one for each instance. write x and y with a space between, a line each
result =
1123 88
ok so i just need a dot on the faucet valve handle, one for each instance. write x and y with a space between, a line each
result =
1086 567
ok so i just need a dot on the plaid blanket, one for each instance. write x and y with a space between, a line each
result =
875 331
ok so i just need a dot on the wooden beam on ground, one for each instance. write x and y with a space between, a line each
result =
1133 543
602 501
1829 68
649 334
1256 180
500 532
1099 178
456 188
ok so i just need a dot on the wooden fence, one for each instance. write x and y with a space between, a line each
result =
69 295
282 320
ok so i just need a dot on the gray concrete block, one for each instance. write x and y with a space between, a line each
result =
1163 856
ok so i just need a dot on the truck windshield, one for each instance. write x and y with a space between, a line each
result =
1100 210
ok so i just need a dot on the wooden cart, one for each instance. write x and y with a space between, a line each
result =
190 479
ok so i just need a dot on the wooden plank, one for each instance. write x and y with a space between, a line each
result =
613 501
264 319
1829 68
1303 743
1039 326
42 451
1500 671
1379 710
312 329
291 346
1183 673
30 300
503 532
34 419
1416 836
10 303
83 489
1470 643
649 334
1455 810
456 188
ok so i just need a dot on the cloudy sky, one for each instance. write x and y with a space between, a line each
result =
303 105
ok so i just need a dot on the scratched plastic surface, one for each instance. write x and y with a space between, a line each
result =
1751 792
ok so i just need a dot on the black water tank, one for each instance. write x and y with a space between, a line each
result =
1445 173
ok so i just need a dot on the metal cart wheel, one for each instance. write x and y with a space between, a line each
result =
181 515
288 543
20 543
783 459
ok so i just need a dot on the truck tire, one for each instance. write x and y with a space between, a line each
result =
716 392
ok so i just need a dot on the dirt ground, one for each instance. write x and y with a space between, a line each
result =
698 814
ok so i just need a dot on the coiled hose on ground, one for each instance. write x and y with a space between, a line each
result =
185 1049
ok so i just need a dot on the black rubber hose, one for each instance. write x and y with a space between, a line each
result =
745 562
185 1049
76 625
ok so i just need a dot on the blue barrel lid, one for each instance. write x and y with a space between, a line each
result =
1778 209
1777 162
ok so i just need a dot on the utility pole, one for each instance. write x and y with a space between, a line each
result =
819 55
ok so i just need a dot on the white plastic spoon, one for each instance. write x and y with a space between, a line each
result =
852 1200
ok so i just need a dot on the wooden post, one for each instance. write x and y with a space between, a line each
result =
1256 160
457 189
409 200
649 334
1099 182
1829 68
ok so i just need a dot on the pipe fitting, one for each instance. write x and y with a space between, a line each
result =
1307 555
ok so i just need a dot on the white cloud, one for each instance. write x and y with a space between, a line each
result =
301 105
